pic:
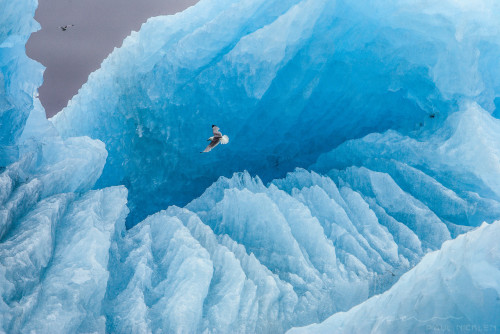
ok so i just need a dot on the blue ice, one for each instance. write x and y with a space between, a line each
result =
364 159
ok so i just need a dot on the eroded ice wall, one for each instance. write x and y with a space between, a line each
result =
19 75
286 80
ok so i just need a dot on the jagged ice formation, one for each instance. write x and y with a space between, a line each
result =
464 273
286 80
363 136
19 76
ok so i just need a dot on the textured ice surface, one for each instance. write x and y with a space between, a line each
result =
246 257
19 75
455 289
55 233
455 171
54 263
466 148
286 80
53 166
389 106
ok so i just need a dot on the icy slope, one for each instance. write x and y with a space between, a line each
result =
454 289
54 263
55 236
286 80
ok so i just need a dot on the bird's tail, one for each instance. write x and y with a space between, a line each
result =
224 140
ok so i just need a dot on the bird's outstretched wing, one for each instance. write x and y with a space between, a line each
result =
216 132
212 144
65 27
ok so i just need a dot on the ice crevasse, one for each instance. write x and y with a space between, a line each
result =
363 137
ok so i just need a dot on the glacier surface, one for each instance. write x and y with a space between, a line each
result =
363 137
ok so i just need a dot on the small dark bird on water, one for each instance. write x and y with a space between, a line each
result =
64 28
216 139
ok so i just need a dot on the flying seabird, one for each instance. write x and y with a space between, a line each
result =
64 28
216 139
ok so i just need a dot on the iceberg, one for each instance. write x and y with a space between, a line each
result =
364 160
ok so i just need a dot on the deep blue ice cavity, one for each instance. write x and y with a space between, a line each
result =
285 80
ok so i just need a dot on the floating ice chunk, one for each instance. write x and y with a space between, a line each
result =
290 80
